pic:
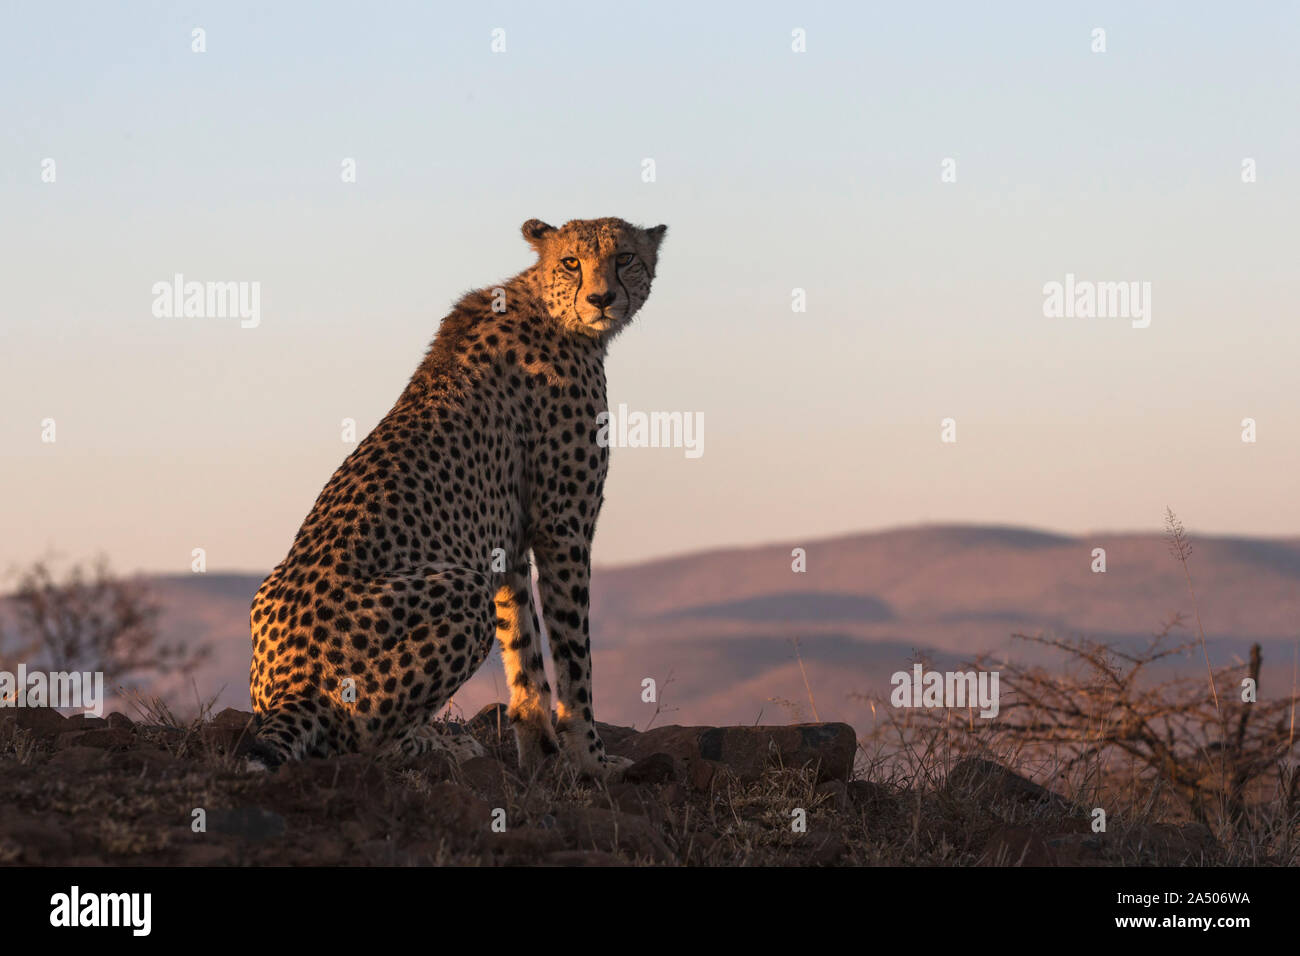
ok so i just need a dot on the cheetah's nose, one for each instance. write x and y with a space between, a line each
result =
601 301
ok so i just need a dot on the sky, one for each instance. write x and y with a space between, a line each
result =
828 170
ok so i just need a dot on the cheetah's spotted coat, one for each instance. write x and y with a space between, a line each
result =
390 588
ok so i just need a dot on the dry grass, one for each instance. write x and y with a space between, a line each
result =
1105 730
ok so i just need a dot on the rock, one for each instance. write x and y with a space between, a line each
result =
109 738
987 782
41 721
680 742
225 740
612 735
85 722
249 823
491 724
230 732
702 773
749 751
117 719
232 719
656 768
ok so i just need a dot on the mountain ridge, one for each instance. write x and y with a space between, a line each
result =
724 622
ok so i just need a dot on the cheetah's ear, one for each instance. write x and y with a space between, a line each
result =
535 231
656 235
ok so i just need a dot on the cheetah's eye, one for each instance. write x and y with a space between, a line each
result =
570 263
624 258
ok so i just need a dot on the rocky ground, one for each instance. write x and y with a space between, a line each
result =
85 791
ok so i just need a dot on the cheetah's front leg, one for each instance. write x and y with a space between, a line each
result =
564 576
521 652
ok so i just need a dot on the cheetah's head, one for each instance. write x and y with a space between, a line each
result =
594 274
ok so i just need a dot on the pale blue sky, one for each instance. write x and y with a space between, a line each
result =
775 170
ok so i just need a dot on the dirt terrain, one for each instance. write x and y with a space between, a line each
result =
86 791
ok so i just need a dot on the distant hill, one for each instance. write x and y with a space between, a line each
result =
722 623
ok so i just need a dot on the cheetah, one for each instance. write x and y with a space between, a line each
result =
417 551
